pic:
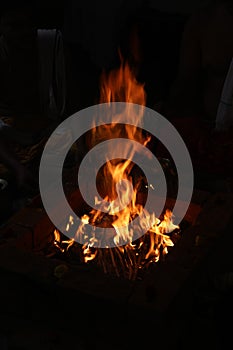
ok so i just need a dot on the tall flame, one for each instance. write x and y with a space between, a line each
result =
121 85
117 187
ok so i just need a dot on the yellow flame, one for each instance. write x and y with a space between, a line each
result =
57 236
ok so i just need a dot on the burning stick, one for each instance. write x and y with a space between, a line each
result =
114 263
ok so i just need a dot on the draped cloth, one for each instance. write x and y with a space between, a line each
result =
224 118
52 94
52 82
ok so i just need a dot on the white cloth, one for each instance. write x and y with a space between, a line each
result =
224 118
52 86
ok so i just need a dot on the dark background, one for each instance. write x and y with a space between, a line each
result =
92 32
160 26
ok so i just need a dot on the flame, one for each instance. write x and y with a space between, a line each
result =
88 254
159 238
118 189
57 237
121 85
59 243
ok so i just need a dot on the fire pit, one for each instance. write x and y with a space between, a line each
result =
165 289
31 231
143 279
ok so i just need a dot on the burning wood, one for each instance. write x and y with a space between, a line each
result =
125 261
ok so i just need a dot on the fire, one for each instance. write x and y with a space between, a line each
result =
126 261
121 85
117 187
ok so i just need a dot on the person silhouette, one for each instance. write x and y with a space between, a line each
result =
192 105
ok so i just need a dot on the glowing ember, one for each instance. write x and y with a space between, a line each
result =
118 187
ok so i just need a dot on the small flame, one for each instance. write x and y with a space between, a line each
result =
88 253
159 238
59 243
70 223
57 237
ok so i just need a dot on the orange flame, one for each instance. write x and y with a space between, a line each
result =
116 185
120 85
